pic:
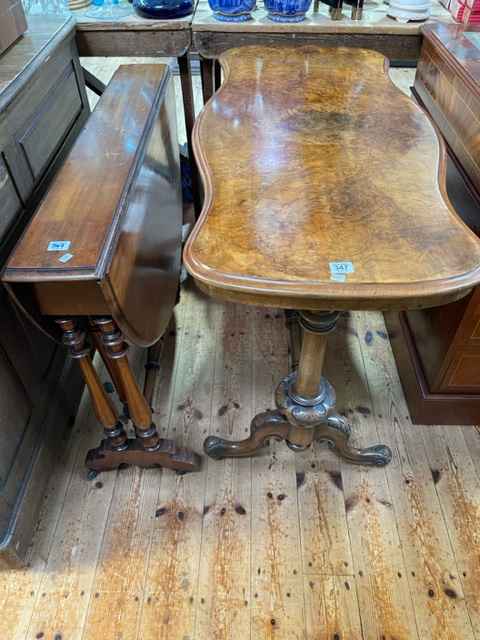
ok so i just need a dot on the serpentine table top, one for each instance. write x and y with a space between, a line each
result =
325 188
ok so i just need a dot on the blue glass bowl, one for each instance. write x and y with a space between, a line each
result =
287 10
163 9
232 10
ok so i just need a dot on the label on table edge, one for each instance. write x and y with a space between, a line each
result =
59 245
340 269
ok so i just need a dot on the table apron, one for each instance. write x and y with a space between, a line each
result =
399 48
155 43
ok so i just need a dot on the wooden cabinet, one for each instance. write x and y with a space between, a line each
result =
438 350
43 105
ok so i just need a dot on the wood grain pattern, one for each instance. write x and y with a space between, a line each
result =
77 210
312 182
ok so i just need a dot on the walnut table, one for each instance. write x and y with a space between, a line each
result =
333 199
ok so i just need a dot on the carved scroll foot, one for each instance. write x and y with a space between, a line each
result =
264 426
336 432
166 455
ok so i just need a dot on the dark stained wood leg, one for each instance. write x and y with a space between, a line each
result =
217 69
152 368
189 110
147 449
74 339
305 407
93 83
206 71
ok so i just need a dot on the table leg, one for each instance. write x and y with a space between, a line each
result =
147 449
116 438
189 110
305 407
110 364
217 75
206 71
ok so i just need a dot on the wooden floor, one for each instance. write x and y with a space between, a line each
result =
284 546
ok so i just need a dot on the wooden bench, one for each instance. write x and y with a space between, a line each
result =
102 253
333 199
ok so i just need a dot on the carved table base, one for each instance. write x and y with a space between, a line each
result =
147 449
167 455
305 408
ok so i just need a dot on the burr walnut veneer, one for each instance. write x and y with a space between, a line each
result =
102 253
325 190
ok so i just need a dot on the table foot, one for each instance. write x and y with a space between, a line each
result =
264 426
336 432
166 455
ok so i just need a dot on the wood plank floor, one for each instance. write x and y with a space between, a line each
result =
284 546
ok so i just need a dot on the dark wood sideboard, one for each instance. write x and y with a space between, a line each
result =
43 105
438 350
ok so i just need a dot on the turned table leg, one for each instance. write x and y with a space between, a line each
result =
305 407
147 449
116 351
116 438
110 365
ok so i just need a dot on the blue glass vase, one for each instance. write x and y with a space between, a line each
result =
232 10
163 9
287 10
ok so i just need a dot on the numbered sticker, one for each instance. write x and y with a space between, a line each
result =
59 245
340 270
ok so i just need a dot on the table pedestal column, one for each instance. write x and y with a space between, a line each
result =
305 407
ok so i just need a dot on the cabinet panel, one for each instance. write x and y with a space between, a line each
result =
15 411
51 123
10 204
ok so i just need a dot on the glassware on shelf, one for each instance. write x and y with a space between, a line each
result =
163 9
232 10
287 10
109 10
45 7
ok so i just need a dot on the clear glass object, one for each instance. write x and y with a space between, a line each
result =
45 7
109 10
